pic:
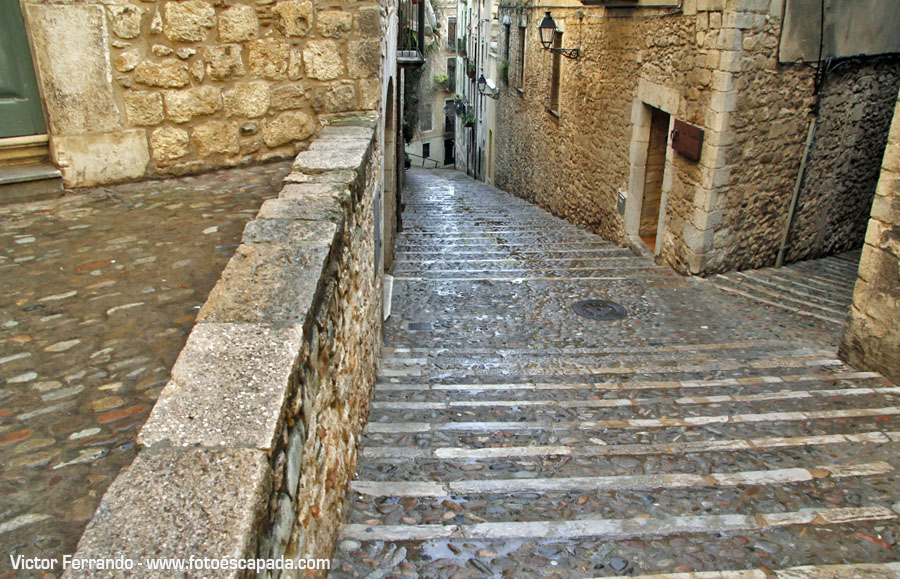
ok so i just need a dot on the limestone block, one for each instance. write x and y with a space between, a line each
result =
295 65
223 61
216 137
184 503
143 108
294 17
126 20
71 51
288 96
269 58
185 53
230 382
340 99
161 50
189 21
249 100
334 23
156 24
238 24
128 59
168 143
287 127
292 230
365 59
369 94
368 21
168 73
102 158
198 72
184 105
322 59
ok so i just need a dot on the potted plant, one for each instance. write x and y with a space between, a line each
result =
440 81
469 119
470 69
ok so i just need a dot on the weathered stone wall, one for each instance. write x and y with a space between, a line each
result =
872 337
712 64
249 448
857 104
135 88
574 165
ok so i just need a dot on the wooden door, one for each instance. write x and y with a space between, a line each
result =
20 101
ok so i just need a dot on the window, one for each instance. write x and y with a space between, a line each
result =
426 150
520 63
426 120
508 31
555 74
451 32
451 74
449 116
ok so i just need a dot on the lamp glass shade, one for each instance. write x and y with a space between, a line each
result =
547 28
481 83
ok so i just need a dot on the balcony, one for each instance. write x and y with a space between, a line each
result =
411 44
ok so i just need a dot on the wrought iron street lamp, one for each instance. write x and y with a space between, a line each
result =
484 83
548 31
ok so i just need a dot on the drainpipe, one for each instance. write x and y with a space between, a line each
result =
797 184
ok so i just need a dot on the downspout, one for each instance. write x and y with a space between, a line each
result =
818 82
813 122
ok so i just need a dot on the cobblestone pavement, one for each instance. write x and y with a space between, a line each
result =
98 292
705 431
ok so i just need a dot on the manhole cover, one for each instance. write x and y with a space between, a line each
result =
600 310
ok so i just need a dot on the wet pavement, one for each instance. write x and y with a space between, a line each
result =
710 429
98 292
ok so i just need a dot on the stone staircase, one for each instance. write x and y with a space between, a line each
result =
511 437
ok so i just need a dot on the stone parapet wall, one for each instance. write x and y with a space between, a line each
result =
249 448
872 337
137 88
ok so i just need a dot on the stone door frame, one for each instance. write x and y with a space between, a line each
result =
667 100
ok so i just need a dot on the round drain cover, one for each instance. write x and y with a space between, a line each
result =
600 310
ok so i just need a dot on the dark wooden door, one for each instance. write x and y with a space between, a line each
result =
20 101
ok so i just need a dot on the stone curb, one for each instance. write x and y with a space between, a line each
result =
225 447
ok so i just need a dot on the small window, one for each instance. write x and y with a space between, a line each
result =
426 120
451 74
451 32
520 62
426 150
508 32
555 74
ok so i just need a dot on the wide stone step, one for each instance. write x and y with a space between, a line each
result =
634 370
736 285
674 389
618 529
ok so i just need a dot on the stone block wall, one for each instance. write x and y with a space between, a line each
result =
857 104
140 88
872 336
712 64
574 165
249 448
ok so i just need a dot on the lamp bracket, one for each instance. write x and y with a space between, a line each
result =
570 53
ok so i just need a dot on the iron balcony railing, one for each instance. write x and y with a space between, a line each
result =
411 45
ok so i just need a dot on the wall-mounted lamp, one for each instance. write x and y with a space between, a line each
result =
548 31
492 92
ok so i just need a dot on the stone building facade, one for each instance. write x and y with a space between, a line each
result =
136 88
872 336
714 65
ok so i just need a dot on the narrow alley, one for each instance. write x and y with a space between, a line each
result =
711 428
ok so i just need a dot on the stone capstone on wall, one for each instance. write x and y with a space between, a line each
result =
250 445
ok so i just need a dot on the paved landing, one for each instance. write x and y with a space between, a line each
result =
703 432
98 292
